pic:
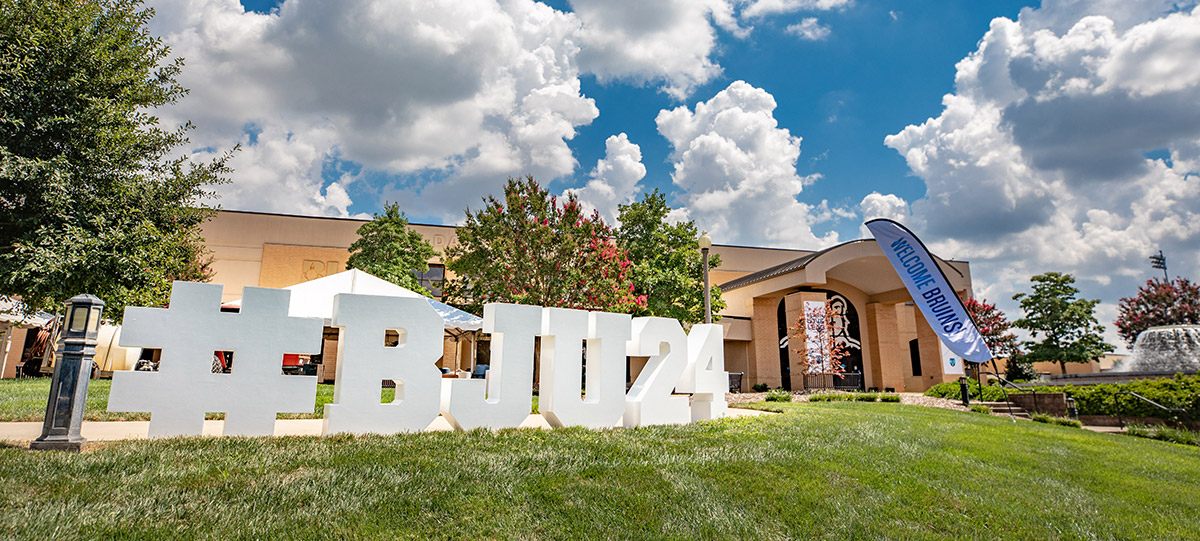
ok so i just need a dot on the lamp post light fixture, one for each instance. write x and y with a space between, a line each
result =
73 368
705 243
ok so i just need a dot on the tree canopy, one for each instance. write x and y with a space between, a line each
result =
993 326
666 261
530 248
1064 327
387 248
1159 302
91 197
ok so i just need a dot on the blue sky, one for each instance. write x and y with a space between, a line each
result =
1024 137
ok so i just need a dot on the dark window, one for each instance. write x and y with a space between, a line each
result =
914 353
432 279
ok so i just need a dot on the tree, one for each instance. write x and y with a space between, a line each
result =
1159 302
91 199
387 248
1067 326
666 261
530 249
993 326
817 327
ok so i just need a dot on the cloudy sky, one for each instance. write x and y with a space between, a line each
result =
1021 136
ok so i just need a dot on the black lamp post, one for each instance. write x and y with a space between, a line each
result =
68 390
705 243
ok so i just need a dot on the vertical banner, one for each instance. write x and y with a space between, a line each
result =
932 293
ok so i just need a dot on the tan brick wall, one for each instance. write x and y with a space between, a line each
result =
284 265
888 355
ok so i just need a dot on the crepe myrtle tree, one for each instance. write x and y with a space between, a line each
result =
1158 302
994 327
532 248
1064 328
95 195
386 247
667 267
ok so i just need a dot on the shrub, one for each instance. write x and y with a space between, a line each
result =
1177 392
980 408
759 387
950 389
779 395
828 397
1164 433
854 397
1050 419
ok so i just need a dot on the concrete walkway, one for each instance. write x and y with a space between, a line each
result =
26 432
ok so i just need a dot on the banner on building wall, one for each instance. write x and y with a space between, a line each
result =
951 362
932 293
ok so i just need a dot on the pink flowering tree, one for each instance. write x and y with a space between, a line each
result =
994 326
533 248
1159 302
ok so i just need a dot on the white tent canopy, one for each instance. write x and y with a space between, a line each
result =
315 298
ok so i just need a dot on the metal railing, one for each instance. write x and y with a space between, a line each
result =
1121 407
1003 383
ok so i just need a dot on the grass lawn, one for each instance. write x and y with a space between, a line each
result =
25 400
836 470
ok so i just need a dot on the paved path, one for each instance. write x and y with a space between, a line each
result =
127 430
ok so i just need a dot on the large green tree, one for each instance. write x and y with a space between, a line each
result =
666 259
387 248
532 248
1064 328
93 195
1159 302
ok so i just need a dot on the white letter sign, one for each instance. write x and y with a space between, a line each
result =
504 398
365 362
583 366
563 332
189 332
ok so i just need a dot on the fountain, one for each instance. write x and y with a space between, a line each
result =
1169 349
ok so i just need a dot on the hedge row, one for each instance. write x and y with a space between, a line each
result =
1176 392
854 397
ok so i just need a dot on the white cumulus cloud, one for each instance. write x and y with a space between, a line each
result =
737 171
809 29
615 179
1070 144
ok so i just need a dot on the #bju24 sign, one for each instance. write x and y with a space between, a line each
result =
183 389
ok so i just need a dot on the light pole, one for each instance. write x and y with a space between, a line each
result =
1160 262
705 243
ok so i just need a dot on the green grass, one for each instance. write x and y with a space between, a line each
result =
25 400
829 470
1165 433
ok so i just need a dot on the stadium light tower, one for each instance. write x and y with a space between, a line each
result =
1160 262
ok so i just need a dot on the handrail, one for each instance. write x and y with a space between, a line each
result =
1120 409
1004 382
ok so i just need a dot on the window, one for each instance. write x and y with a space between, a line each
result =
914 353
432 279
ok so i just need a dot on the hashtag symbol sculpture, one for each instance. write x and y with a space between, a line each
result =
189 332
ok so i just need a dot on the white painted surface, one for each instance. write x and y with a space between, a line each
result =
184 388
504 399
563 334
366 362
649 401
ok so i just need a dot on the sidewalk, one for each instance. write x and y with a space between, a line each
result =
26 432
